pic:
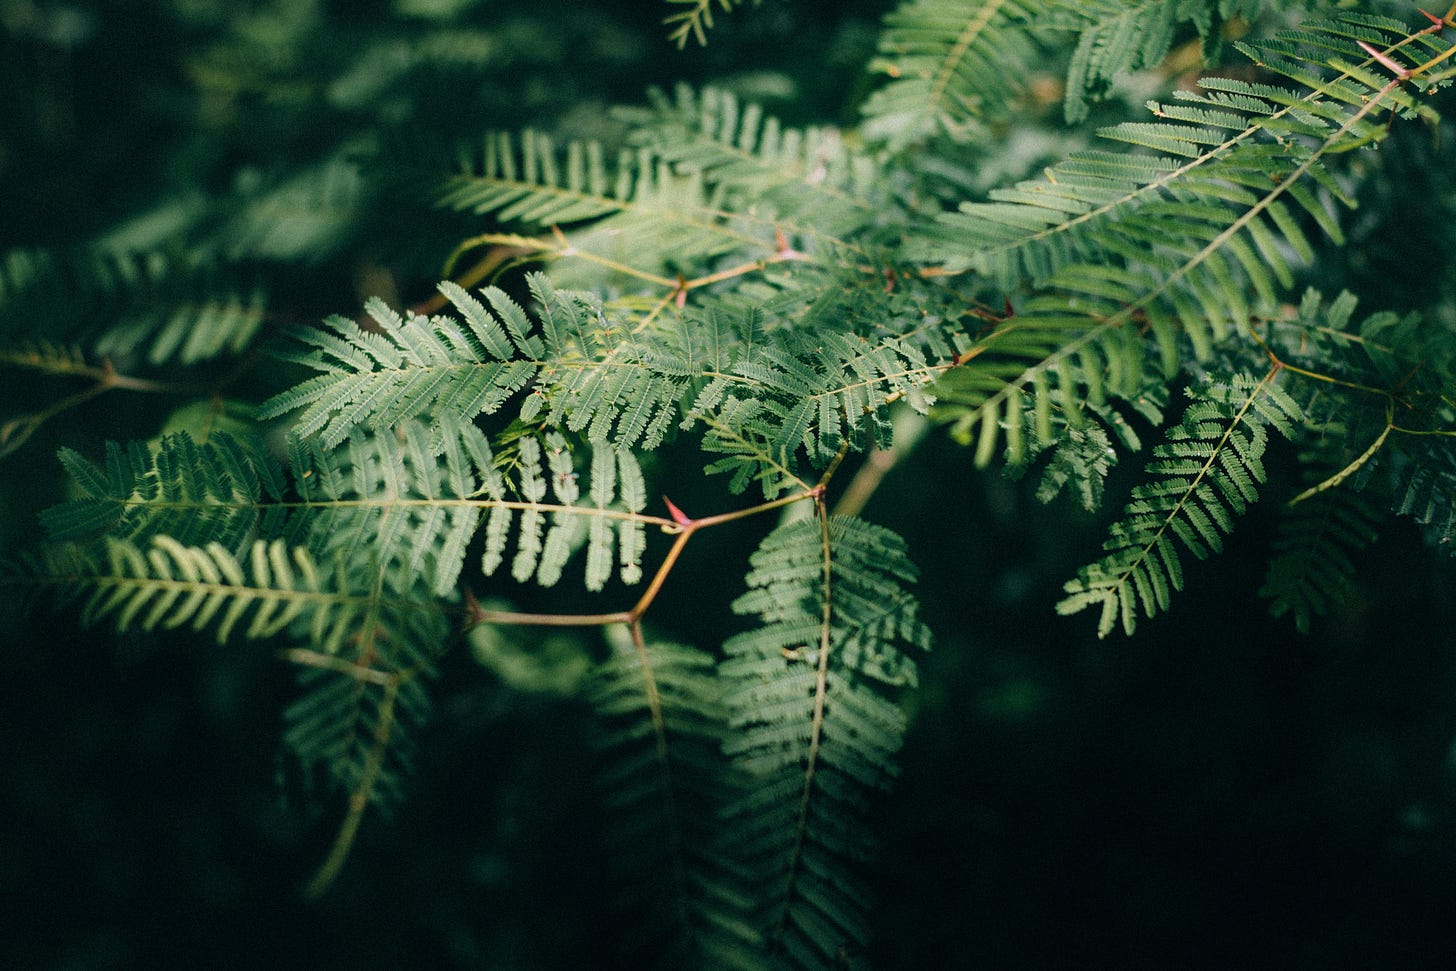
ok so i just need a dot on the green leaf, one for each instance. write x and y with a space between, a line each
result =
1199 478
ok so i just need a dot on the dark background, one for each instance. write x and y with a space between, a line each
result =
1216 792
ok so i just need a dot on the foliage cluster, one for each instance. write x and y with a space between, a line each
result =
1058 233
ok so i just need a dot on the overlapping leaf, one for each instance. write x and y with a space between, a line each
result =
1201 478
813 729
662 727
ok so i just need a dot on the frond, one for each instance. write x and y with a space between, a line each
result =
1403 361
365 656
712 177
1205 475
1424 471
1323 335
808 185
169 585
222 490
639 211
1312 568
1184 246
1235 175
949 62
809 393
763 402
1082 454
823 378
203 315
1044 367
1081 458
131 306
663 772
411 500
533 185
1115 37
869 302
411 366
364 696
589 374
414 500
606 378
353 729
1383 415
813 729
695 19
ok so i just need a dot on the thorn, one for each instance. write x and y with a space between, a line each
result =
1433 18
782 249
1007 311
678 516
680 295
472 607
1393 66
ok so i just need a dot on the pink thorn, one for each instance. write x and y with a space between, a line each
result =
1433 18
1394 67
678 516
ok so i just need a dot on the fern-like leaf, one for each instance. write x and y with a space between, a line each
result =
363 698
1311 569
410 500
353 727
131 307
1042 368
695 19
1425 473
413 501
1237 168
764 403
1115 37
414 366
809 395
815 732
222 490
1205 475
1383 415
949 62
808 186
1185 245
586 373
640 212
663 769
169 585
1082 453
366 655
714 177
